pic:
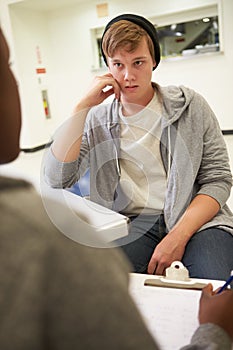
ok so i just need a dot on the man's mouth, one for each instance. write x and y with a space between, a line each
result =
131 87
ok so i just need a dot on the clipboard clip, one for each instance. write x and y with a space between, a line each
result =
176 276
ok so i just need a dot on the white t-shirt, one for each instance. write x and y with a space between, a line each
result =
143 178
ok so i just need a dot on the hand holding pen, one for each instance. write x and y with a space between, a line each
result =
217 307
226 284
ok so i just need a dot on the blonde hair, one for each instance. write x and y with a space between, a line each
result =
127 35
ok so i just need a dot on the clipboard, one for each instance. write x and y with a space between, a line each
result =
171 314
177 276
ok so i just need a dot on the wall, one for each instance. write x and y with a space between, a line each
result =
64 38
32 27
24 30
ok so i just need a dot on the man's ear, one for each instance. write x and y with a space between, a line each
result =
154 65
107 62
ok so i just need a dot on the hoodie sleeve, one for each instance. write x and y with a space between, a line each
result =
59 174
209 337
214 175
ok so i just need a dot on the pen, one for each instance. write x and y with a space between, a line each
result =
226 284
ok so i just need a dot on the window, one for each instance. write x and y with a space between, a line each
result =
189 38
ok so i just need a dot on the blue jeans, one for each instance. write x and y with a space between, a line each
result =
208 254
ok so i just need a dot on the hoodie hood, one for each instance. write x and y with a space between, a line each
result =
176 100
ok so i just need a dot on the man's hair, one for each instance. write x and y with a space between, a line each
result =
125 35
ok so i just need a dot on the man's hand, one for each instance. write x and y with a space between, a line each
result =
170 249
217 308
66 145
101 88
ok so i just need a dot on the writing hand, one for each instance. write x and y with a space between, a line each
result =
217 308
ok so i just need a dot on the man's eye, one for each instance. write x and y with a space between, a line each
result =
117 64
138 63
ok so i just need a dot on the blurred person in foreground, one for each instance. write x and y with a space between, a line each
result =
59 294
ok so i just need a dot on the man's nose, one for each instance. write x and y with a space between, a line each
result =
128 73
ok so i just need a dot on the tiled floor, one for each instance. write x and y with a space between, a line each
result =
28 165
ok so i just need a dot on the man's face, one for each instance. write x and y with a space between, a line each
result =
133 72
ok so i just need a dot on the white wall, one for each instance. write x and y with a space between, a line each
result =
31 26
24 30
64 38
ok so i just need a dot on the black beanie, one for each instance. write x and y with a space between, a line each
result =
142 22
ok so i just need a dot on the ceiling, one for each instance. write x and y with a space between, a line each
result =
47 5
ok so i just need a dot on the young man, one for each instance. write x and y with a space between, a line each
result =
59 295
156 154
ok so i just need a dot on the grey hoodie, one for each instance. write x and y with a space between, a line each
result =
192 148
